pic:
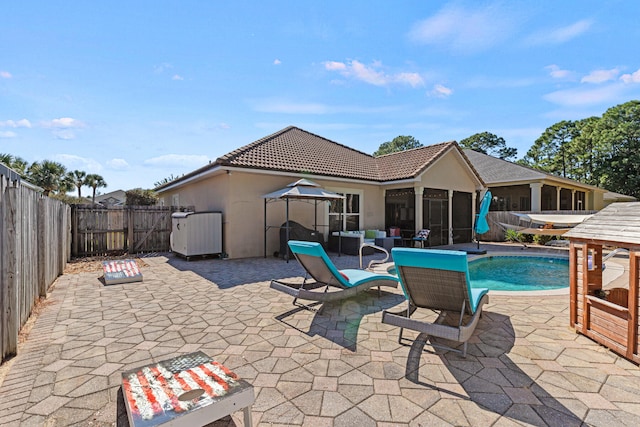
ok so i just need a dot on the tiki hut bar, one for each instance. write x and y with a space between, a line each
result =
608 315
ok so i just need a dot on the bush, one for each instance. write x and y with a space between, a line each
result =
512 235
141 197
542 239
527 238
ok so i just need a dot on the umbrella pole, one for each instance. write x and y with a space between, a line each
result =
286 253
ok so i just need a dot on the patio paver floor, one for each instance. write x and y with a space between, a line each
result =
525 366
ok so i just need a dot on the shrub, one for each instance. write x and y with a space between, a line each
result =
141 197
541 239
512 235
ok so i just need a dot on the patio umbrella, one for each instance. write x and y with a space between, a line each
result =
303 189
482 226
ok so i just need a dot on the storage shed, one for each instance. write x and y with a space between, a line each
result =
608 316
196 233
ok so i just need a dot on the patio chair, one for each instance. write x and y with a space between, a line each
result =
329 283
437 280
421 237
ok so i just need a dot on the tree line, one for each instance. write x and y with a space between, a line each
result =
601 151
53 177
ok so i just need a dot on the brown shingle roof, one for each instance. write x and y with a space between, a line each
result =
295 150
409 163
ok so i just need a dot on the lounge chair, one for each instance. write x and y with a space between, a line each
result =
437 280
318 265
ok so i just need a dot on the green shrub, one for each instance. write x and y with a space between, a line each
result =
512 235
542 239
141 197
527 238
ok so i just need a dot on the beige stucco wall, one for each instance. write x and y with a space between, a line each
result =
450 173
597 198
239 196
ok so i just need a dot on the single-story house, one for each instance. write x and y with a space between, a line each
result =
521 188
434 187
113 198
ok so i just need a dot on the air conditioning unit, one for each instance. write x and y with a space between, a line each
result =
196 233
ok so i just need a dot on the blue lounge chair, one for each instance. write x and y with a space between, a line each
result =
329 283
437 280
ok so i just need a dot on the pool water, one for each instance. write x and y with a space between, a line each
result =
519 273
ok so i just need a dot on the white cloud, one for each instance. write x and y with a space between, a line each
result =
412 79
178 160
8 134
5 74
162 67
601 76
560 35
558 73
580 97
72 161
464 30
373 74
63 123
288 107
177 77
118 164
284 106
335 66
65 134
277 62
22 123
441 91
631 78
483 82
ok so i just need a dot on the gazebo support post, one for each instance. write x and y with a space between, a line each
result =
286 253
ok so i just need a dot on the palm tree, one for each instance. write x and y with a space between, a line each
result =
16 163
48 175
94 181
79 178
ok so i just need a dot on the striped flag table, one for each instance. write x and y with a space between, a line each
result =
121 271
191 389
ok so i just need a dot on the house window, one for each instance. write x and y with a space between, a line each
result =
175 200
347 210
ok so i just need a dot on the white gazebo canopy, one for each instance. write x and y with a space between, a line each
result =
301 190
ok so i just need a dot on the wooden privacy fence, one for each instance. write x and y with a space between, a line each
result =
34 249
101 231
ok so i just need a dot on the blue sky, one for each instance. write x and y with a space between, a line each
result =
137 91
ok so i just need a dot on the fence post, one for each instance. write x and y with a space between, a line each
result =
10 309
74 231
3 252
130 230
42 247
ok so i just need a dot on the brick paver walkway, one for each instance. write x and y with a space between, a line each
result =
340 368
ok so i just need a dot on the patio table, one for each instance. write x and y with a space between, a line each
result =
190 389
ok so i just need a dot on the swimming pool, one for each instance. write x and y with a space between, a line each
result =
517 273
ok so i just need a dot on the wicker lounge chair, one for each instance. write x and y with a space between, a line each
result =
329 283
437 280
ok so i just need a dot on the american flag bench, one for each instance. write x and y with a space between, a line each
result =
189 390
